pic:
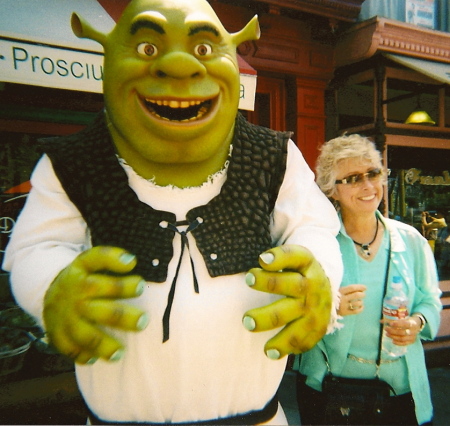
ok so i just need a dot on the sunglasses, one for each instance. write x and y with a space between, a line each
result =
372 175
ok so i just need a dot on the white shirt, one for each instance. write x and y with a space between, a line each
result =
211 366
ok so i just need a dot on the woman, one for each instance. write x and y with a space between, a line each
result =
350 173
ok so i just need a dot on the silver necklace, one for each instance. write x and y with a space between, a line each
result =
365 248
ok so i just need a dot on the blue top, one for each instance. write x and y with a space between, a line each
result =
413 261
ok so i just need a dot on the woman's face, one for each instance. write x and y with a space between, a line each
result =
363 191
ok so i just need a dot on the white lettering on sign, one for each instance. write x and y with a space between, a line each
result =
413 176
50 66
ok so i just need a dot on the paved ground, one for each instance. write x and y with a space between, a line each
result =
440 390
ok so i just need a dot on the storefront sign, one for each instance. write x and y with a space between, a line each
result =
39 64
420 12
247 94
50 66
413 176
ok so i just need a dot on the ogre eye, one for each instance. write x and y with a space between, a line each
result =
147 49
203 49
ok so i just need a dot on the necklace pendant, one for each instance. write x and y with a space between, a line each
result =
365 249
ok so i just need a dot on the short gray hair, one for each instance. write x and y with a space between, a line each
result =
341 148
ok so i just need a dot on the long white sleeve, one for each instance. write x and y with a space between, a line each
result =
48 235
304 216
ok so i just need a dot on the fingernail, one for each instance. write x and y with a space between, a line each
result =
267 258
92 361
116 356
249 323
127 258
140 287
142 321
273 354
250 279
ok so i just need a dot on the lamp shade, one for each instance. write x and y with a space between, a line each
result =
419 117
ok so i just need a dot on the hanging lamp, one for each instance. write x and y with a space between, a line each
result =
419 116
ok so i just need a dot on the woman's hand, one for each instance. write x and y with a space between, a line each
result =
403 332
352 299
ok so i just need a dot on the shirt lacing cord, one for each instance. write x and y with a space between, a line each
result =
184 243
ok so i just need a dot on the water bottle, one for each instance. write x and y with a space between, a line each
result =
395 306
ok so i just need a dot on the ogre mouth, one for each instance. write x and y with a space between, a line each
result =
174 110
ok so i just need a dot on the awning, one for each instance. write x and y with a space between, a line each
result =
37 47
436 70
22 188
48 22
248 85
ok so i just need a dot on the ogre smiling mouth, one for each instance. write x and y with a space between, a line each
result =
174 110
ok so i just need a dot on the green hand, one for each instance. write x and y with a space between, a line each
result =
305 312
83 298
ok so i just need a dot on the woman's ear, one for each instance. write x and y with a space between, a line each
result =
335 203
334 196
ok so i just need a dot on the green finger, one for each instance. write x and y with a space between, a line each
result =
61 341
297 337
104 286
275 315
284 283
113 314
102 258
293 257
92 340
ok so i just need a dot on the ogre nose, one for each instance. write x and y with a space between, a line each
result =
178 65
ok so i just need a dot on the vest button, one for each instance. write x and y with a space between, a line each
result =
155 262
213 256
163 224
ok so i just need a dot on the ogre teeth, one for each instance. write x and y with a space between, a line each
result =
174 103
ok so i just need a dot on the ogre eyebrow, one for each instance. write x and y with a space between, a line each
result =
145 23
199 28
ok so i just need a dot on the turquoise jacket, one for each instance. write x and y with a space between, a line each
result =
413 260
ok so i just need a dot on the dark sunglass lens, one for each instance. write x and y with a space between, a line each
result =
374 174
356 178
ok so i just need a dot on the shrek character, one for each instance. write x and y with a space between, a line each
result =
211 228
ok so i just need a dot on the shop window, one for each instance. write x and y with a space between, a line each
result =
447 106
355 105
418 191
408 96
18 156
424 13
403 92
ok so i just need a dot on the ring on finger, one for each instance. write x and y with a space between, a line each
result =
407 331
352 308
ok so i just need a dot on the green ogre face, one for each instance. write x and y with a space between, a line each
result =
171 81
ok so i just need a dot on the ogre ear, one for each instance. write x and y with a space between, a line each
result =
83 29
250 32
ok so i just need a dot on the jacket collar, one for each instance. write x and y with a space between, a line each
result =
397 243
